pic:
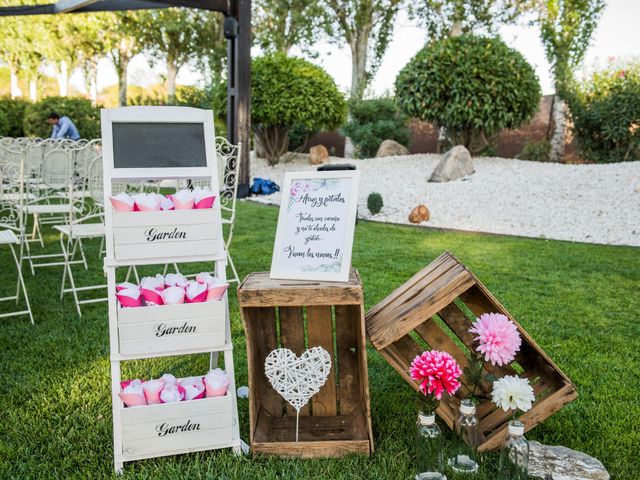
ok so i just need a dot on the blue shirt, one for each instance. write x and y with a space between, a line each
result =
65 129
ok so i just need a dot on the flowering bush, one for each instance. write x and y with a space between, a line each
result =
605 110
437 372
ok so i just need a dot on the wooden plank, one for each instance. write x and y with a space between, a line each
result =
317 449
418 311
348 346
260 330
165 218
320 333
174 250
258 290
166 313
541 411
393 297
292 337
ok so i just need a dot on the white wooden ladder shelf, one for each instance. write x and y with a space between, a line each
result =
156 143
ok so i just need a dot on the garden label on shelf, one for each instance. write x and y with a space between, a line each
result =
315 226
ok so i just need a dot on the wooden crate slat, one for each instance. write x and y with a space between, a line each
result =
320 333
292 337
393 297
265 326
258 290
410 310
350 387
397 327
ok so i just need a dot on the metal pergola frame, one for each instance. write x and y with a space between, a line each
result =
237 30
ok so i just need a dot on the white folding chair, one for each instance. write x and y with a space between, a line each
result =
89 225
57 175
12 229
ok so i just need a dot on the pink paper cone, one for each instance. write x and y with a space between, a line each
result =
153 396
216 292
126 301
122 286
206 202
188 205
201 297
151 297
132 399
120 206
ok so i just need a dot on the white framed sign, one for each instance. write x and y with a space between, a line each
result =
316 225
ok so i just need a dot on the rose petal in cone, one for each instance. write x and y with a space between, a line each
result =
206 202
122 286
151 297
172 295
172 393
130 297
195 292
216 292
194 391
152 390
121 205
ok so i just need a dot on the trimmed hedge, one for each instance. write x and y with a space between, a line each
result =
13 111
473 86
85 116
373 121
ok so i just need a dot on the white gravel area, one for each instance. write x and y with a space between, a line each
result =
583 203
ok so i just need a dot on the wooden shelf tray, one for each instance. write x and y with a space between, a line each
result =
170 428
435 309
166 235
168 328
300 315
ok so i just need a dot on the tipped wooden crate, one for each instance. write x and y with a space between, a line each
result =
435 309
299 315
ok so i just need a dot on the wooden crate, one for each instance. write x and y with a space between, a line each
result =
436 307
172 428
166 234
171 328
298 315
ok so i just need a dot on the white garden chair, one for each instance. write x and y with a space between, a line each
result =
12 229
57 176
228 166
89 225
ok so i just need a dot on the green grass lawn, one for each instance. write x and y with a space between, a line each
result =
579 302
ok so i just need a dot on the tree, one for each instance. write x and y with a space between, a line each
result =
289 91
180 36
443 18
366 26
122 41
566 28
281 24
473 86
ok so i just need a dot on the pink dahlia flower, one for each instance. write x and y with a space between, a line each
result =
437 372
498 338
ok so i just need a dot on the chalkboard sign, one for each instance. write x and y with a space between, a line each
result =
158 145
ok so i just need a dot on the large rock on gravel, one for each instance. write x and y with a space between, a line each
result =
318 155
419 214
562 463
391 148
455 164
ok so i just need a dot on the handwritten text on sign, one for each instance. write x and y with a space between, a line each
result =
315 229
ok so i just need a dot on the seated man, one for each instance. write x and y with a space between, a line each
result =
63 127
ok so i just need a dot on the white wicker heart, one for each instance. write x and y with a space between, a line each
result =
297 379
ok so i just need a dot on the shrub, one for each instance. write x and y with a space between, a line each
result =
4 124
374 203
85 116
373 121
539 151
287 91
13 109
605 110
473 86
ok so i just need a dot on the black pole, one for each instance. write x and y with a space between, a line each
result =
243 91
